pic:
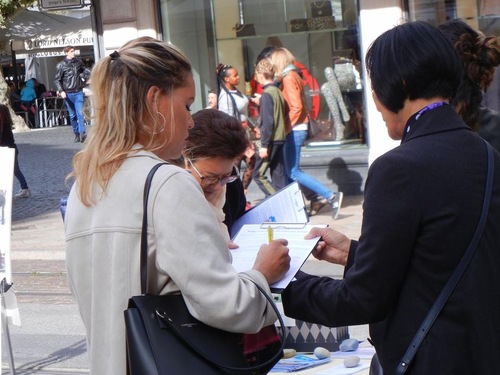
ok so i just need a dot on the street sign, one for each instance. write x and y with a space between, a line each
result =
60 4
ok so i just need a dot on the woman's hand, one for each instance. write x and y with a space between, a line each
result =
273 260
333 246
256 98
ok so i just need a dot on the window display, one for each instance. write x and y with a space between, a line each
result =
323 37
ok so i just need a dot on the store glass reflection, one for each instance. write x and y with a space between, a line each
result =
322 35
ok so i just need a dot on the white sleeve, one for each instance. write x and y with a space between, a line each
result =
225 103
193 252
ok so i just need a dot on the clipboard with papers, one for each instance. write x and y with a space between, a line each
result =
252 236
286 214
285 206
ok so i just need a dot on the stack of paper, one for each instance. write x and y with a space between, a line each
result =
252 236
297 363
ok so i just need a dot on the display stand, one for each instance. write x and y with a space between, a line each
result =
4 287
7 155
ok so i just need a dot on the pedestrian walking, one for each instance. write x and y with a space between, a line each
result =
274 127
70 79
292 87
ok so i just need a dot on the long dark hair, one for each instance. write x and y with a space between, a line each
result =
5 117
480 55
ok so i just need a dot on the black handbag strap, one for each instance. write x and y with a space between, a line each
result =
457 274
144 233
144 271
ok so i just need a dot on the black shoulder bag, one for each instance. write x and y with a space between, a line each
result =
455 277
164 338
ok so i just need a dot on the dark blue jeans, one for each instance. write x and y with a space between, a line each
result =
17 172
74 103
293 143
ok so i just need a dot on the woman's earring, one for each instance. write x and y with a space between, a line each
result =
164 122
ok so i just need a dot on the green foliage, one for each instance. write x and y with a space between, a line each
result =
8 8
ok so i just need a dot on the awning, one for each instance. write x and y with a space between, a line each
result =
33 32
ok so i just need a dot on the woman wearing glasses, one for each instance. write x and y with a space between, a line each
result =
215 143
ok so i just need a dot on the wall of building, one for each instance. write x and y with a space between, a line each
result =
123 20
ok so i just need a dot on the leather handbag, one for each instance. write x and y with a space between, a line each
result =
321 23
313 128
164 338
321 8
455 277
298 24
247 29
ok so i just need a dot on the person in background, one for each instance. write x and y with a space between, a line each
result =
231 100
422 203
234 103
7 140
211 99
69 80
254 84
315 202
40 88
141 102
27 101
480 55
292 87
274 127
215 143
14 97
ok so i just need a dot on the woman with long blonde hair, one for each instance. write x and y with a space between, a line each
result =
292 87
141 106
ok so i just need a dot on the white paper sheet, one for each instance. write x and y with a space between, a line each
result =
252 236
285 206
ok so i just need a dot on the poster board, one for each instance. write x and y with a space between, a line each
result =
6 180
7 156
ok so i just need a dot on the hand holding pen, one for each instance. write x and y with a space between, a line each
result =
273 260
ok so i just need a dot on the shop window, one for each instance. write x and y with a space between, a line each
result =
322 36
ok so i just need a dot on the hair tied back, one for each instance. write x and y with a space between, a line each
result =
114 56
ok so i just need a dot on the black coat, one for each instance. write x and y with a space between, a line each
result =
236 202
70 75
422 204
489 126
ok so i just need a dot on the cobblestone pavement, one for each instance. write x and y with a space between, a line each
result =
45 157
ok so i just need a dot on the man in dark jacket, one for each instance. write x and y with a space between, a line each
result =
70 79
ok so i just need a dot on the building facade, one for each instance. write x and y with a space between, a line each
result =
324 36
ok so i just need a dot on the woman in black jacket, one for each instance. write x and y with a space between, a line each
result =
422 204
